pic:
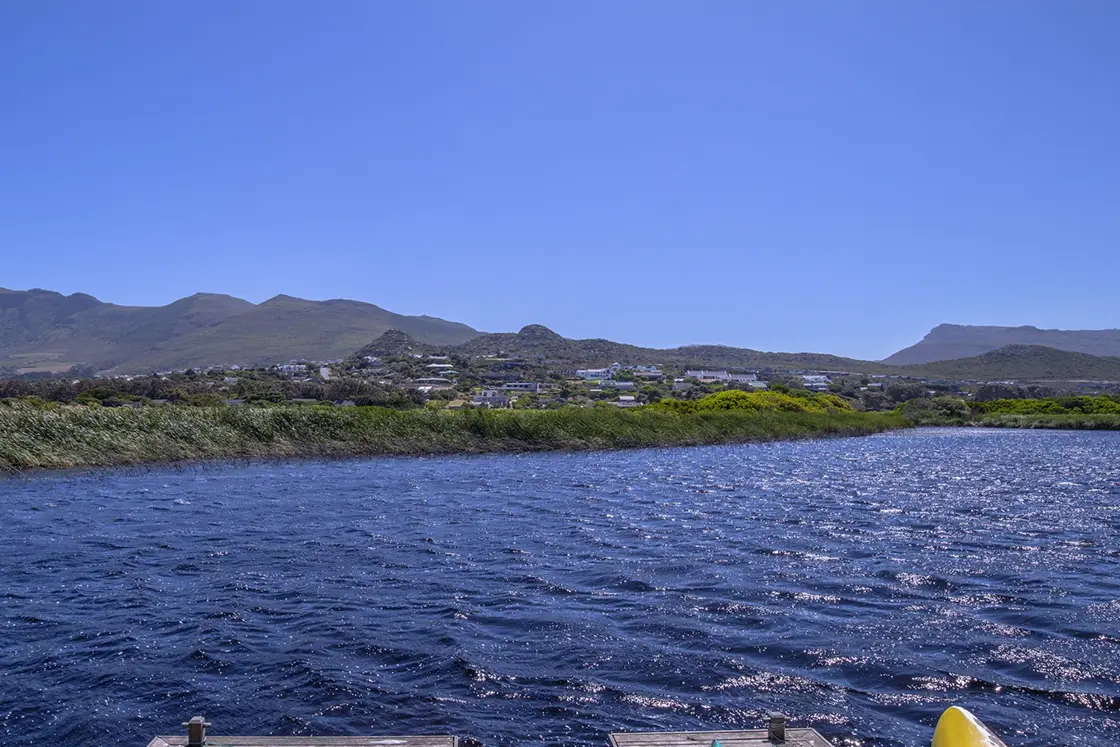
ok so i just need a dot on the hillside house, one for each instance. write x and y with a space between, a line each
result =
708 377
594 374
492 398
816 382
522 386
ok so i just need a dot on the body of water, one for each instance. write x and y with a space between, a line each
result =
858 585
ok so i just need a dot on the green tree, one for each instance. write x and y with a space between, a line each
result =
900 391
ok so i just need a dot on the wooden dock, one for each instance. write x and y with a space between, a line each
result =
743 738
217 741
776 733
309 742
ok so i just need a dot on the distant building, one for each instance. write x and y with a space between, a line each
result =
816 382
439 365
619 384
708 376
522 386
428 383
594 374
648 375
743 378
492 398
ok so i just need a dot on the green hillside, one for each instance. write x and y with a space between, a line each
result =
1023 362
284 328
47 331
952 341
539 342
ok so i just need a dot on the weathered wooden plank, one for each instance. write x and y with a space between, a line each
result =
311 741
738 738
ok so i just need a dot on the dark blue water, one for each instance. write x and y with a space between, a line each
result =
858 585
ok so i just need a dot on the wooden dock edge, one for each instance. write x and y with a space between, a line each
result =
776 733
727 738
379 741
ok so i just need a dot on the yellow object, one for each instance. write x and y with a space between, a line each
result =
959 728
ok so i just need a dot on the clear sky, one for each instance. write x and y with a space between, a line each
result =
783 175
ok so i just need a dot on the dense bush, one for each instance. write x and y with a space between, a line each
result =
1088 405
936 411
734 399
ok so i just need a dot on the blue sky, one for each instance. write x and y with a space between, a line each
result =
834 177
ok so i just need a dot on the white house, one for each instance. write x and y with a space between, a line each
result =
594 374
708 376
816 382
490 398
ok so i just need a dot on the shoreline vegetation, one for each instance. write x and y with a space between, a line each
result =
36 435
1069 413
1052 422
76 436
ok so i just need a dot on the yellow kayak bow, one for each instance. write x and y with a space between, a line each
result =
959 728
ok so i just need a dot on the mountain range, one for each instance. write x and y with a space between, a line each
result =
1019 362
538 341
45 331
1022 362
952 341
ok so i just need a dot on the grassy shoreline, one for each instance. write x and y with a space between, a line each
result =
1080 422
65 437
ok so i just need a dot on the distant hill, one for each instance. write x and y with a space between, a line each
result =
394 342
1019 362
43 330
1023 362
540 342
952 341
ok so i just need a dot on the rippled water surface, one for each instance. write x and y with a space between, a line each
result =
859 585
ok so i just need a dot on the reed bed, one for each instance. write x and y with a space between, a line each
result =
1063 422
61 437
